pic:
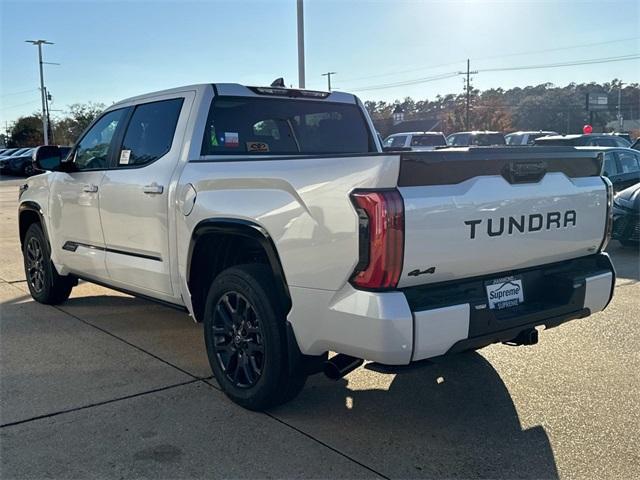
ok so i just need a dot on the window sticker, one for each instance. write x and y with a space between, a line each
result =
231 139
257 147
125 155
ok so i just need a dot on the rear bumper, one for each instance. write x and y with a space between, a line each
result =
422 322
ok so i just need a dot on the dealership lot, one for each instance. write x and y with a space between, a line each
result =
107 385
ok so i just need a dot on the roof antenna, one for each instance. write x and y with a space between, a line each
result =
278 82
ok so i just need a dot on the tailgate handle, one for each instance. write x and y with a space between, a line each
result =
524 172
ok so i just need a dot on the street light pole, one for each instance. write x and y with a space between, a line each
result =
43 93
300 44
328 75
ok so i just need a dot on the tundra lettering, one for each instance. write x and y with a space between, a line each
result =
534 222
273 216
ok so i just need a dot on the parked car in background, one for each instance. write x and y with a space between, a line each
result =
626 216
621 166
420 141
13 151
584 140
475 139
526 138
20 164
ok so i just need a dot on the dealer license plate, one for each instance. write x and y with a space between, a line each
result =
504 292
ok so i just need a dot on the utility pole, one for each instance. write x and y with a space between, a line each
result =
467 88
49 126
45 123
620 119
300 44
328 75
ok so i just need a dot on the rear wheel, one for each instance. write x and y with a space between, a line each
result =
45 285
245 336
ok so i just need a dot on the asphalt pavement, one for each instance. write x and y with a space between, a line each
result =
110 386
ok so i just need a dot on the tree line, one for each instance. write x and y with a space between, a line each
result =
27 130
541 107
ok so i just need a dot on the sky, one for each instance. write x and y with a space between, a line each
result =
110 50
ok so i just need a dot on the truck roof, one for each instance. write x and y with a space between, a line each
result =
238 90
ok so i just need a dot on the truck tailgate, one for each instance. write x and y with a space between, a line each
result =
477 211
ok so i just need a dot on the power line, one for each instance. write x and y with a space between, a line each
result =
21 92
407 82
493 57
591 61
501 69
20 105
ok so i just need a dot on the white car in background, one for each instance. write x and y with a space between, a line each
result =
418 141
526 138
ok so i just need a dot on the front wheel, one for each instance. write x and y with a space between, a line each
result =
245 336
45 285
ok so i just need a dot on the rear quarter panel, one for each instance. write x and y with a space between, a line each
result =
303 203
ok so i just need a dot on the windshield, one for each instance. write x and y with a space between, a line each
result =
428 141
241 125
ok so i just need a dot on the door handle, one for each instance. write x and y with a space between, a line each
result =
152 189
91 188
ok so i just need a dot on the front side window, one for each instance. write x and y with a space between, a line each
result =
248 125
150 132
628 162
93 150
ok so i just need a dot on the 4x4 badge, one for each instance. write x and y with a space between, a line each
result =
416 272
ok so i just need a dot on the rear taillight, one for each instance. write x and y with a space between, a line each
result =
381 236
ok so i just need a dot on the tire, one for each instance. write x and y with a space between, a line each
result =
45 285
246 340
28 169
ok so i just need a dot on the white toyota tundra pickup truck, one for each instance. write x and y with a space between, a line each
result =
275 217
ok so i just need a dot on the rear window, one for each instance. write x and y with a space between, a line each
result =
395 141
487 139
269 126
427 141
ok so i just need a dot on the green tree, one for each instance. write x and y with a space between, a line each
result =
26 132
67 130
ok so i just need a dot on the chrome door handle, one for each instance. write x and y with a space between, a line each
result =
154 188
91 188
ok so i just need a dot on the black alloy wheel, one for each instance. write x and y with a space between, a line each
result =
238 340
35 264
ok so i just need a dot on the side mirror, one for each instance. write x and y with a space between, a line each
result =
48 157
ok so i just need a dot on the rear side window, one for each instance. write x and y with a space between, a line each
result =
270 126
427 141
628 162
395 141
150 132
